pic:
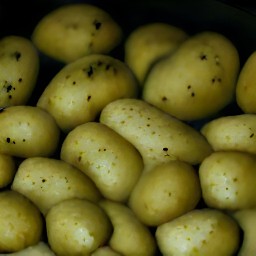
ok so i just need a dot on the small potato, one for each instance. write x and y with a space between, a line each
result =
47 181
158 136
75 30
148 43
165 192
236 132
81 89
105 251
19 66
228 180
130 237
197 80
28 131
77 227
108 159
20 221
199 233
7 170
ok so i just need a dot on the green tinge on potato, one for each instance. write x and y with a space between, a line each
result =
19 67
7 170
76 30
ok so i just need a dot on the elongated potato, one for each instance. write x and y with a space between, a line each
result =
237 132
75 30
28 131
157 136
7 170
19 66
81 89
107 158
197 80
47 181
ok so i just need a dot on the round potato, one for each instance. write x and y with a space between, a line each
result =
28 131
80 90
105 251
7 170
77 227
75 30
198 233
165 192
19 66
20 221
108 159
47 181
228 180
197 80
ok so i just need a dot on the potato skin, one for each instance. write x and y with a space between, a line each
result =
28 131
7 170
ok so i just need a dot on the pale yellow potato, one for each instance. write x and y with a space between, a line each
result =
19 67
7 170
47 181
130 237
107 158
149 42
105 251
158 136
77 227
197 80
228 180
79 91
20 221
165 192
200 232
28 131
237 132
72 31
246 86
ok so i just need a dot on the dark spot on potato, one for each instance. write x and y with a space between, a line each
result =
79 159
108 66
90 71
251 135
99 63
217 60
192 94
2 110
9 88
89 97
20 80
43 180
17 55
24 140
97 24
203 56
164 98
67 76
189 86
74 82
216 79
10 96
165 149
8 140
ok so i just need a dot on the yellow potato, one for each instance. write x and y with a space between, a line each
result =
47 181
148 43
28 131
237 132
79 91
20 221
157 136
199 233
7 170
166 192
228 180
197 80
19 67
105 251
130 237
75 30
108 159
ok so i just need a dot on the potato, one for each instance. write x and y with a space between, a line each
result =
105 251
158 137
79 91
47 181
77 227
197 80
28 131
198 233
108 159
7 170
166 192
246 87
228 180
130 237
19 67
237 132
72 31
149 42
20 221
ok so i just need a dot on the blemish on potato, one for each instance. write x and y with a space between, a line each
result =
17 55
8 140
97 24
89 97
2 110
164 98
20 80
203 56
251 135
217 60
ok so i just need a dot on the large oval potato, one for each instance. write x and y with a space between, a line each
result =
197 80
28 131
75 30
158 136
47 181
19 67
79 91
7 170
108 159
